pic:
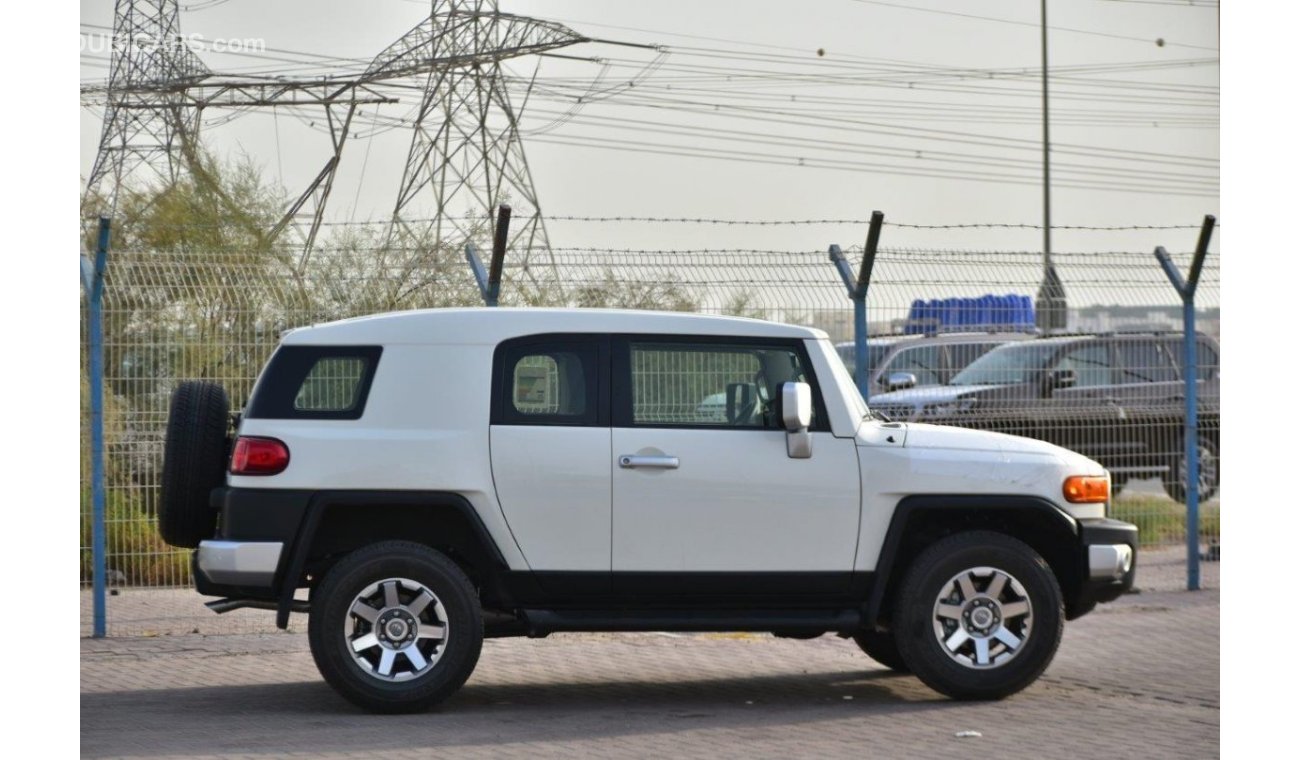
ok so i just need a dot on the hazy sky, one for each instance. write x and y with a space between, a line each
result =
937 93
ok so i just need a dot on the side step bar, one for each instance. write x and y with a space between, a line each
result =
222 606
543 622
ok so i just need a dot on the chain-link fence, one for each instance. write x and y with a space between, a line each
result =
951 342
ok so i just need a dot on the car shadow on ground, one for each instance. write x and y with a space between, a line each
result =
309 717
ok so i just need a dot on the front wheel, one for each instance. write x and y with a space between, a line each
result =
979 616
395 627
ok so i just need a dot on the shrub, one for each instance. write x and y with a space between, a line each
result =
136 555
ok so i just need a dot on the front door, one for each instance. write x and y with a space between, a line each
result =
706 499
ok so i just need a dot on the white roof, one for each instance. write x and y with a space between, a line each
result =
492 325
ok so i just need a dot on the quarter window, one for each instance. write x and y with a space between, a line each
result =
315 382
331 385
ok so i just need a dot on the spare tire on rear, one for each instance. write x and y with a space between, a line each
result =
194 462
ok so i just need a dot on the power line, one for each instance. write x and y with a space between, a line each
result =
1029 23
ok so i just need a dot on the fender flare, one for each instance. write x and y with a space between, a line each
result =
321 501
909 507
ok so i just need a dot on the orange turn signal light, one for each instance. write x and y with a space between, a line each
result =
1087 489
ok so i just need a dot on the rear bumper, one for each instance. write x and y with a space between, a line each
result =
239 563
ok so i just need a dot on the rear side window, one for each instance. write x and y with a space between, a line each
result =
1145 362
1207 359
1091 364
550 383
315 383
548 380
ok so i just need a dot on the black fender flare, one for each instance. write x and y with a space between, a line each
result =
910 507
321 501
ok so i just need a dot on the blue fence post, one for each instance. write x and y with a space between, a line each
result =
489 280
93 283
1191 445
861 370
857 288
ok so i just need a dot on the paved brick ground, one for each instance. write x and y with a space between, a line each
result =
1140 677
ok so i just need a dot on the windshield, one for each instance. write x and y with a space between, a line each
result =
1007 365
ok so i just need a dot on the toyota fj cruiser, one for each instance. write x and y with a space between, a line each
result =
435 477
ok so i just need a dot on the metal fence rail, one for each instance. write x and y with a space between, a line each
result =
216 314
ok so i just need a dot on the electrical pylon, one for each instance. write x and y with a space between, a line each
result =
465 154
154 101
466 157
145 113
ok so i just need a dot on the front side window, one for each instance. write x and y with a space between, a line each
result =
1008 365
925 362
711 385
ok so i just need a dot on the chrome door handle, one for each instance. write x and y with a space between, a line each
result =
632 460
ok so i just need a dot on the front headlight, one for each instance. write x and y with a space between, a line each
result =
948 408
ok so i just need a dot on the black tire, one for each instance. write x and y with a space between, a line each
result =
881 647
332 627
1176 484
194 462
927 582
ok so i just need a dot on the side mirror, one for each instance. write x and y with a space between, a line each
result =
898 381
796 415
1062 378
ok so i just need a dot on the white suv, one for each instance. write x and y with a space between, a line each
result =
435 477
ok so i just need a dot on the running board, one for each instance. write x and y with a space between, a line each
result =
543 622
222 606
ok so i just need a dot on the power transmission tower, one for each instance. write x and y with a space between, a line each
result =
466 157
154 102
145 114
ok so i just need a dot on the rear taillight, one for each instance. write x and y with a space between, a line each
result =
258 456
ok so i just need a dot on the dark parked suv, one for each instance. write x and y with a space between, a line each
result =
906 361
1116 398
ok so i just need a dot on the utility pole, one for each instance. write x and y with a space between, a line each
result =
1050 304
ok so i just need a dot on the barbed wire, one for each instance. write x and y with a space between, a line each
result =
738 223
537 256
1013 226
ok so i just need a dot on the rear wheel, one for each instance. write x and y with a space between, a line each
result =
194 462
979 616
881 647
395 627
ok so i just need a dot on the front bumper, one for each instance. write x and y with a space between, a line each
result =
1108 555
